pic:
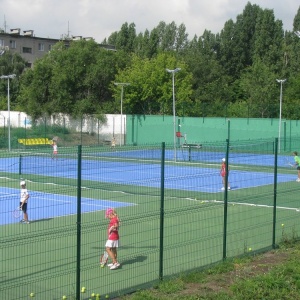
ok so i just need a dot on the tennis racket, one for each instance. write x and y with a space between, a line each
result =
288 162
17 213
103 258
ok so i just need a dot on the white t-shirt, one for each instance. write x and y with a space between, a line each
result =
24 194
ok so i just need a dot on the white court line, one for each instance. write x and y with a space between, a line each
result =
245 204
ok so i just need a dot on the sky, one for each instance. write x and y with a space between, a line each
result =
100 18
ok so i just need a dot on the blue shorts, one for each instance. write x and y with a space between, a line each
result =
24 207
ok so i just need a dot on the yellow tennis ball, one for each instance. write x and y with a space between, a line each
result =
106 296
98 296
83 289
102 266
250 249
31 295
93 295
64 297
282 225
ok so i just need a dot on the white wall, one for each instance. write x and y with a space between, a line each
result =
112 126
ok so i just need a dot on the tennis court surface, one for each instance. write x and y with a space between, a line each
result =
48 205
126 168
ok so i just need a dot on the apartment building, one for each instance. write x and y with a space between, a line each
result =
31 47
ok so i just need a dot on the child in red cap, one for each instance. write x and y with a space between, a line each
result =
112 242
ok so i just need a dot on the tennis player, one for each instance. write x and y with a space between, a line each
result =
113 143
223 174
23 201
54 145
297 164
112 242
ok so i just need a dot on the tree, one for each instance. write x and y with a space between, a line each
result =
259 85
268 40
10 63
72 80
150 90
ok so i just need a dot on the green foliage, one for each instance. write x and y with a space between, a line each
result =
150 90
70 80
258 84
232 73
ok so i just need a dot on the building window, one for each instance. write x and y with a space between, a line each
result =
50 47
12 44
41 47
1 43
27 50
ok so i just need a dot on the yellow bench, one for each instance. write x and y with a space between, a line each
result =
36 141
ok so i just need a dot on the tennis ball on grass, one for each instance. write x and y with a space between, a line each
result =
106 296
93 295
64 297
83 289
31 295
282 225
102 266
250 249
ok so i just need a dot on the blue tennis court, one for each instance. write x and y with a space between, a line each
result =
198 155
47 206
178 176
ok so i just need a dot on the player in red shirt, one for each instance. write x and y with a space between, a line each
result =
223 174
112 242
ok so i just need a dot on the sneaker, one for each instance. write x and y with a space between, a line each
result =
229 188
22 221
298 180
110 265
222 188
26 222
115 266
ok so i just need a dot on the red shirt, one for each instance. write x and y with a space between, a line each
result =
223 169
114 234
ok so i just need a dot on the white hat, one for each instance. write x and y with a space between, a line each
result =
223 159
22 183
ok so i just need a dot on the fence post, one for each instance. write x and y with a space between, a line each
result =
78 223
275 194
225 202
162 196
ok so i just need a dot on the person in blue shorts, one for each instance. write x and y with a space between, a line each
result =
24 196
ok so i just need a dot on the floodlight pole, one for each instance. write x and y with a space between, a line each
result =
174 112
281 81
122 84
8 106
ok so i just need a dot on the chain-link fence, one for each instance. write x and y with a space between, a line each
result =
178 212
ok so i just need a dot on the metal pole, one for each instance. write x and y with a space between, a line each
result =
275 194
8 106
174 115
121 114
162 212
281 81
122 84
78 248
8 121
174 112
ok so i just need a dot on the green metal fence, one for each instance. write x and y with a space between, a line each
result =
176 214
